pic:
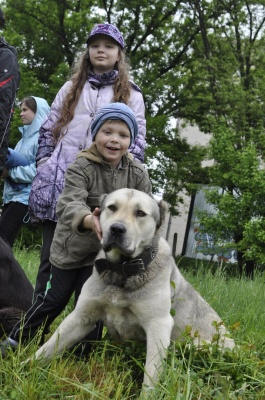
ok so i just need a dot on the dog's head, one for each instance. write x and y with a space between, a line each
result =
129 221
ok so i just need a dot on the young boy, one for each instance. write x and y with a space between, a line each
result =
103 168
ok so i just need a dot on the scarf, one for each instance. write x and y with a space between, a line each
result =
108 78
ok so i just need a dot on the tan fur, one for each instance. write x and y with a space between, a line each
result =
138 307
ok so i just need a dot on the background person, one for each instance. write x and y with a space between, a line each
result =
100 77
78 233
9 82
20 168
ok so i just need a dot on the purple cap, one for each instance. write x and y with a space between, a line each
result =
109 30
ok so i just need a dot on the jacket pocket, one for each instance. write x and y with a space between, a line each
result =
70 250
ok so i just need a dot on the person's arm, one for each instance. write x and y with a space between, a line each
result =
15 159
23 174
72 208
137 105
9 80
46 140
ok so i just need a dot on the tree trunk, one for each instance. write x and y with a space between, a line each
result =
250 265
240 262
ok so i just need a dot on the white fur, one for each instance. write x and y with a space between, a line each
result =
140 306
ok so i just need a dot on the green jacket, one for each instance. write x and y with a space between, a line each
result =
85 181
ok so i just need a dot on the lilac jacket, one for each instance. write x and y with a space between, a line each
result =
54 158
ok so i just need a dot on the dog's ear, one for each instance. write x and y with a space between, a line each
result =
163 209
101 200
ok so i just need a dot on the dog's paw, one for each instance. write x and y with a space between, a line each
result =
147 392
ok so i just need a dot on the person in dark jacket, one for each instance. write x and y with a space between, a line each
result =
102 168
9 82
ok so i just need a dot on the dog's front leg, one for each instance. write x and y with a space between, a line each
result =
158 333
73 329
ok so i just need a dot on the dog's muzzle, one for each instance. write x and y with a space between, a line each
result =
116 238
117 230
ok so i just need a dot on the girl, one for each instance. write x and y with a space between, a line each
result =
100 77
20 168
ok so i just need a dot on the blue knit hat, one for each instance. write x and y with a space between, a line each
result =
109 30
115 111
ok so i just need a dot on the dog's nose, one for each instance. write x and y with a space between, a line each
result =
117 229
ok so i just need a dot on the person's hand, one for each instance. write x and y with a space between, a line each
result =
96 223
91 221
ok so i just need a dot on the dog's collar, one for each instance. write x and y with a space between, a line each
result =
128 267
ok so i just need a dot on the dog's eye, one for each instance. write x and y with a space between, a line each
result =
140 213
112 208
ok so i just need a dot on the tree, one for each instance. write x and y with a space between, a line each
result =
226 79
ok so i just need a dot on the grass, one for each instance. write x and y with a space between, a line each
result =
116 372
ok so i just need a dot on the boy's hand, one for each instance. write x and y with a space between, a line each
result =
92 222
96 223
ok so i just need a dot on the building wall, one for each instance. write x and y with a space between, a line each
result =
176 226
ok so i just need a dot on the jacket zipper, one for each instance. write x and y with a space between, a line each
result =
115 177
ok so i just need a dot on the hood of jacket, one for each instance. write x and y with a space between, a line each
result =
92 154
43 110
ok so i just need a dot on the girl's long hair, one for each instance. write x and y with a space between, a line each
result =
121 88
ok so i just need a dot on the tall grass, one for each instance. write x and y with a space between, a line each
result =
116 372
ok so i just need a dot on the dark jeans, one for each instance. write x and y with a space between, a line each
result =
12 218
43 276
50 304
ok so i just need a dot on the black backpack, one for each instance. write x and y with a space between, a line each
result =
9 84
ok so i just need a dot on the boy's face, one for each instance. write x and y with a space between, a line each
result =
113 140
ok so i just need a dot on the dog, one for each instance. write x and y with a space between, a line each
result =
136 288
16 291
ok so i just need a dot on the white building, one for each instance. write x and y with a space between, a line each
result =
175 227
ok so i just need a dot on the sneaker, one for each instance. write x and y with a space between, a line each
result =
7 345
